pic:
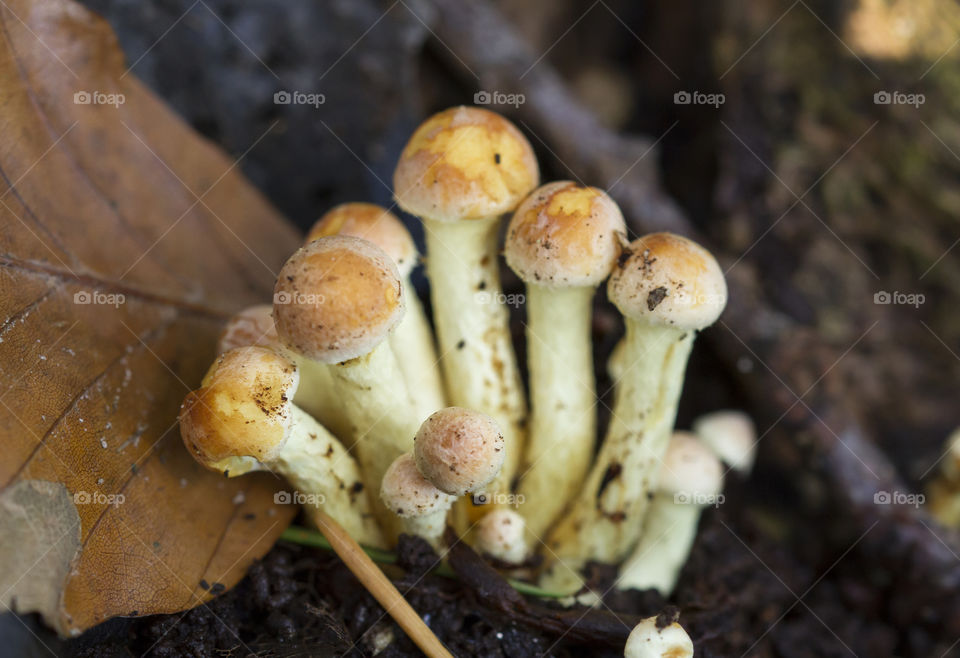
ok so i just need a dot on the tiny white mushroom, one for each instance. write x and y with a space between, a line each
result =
563 241
317 393
732 436
412 341
460 172
667 287
652 639
242 419
421 506
336 301
691 478
501 534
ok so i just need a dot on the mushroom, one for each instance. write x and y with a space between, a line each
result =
316 394
412 341
732 436
667 288
501 534
562 241
243 419
344 296
944 489
461 170
459 450
691 478
655 637
421 506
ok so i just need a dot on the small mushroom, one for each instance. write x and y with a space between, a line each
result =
342 297
563 241
412 341
316 394
243 419
460 172
501 534
421 506
651 638
732 436
667 288
691 478
459 450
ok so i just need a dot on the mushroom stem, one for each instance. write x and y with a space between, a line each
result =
605 519
379 585
667 288
562 398
691 478
668 534
373 392
413 345
313 461
473 333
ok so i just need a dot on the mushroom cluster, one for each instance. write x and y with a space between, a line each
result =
345 387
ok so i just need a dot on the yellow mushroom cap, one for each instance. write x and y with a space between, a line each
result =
565 235
407 493
370 222
732 435
690 471
251 326
337 298
242 409
668 280
459 450
465 163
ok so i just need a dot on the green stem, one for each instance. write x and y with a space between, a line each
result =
313 538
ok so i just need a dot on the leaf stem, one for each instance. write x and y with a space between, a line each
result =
312 538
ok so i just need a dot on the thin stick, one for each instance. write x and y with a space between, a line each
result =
379 585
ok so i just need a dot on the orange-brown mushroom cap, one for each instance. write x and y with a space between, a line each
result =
459 450
668 280
337 298
241 410
370 222
251 326
465 163
565 235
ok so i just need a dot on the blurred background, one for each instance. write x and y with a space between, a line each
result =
813 144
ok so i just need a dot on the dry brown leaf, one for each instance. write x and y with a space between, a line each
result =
156 227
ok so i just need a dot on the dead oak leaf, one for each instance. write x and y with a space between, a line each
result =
125 241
